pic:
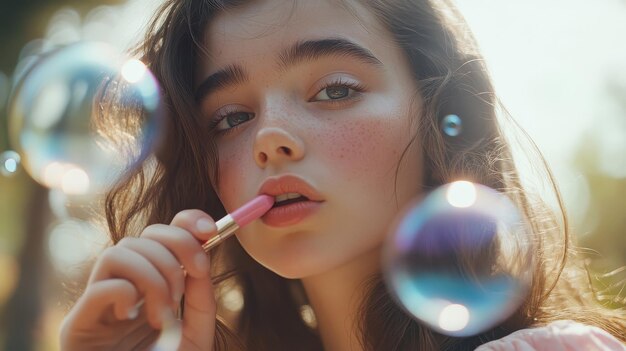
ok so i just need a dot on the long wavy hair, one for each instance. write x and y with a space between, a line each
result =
451 78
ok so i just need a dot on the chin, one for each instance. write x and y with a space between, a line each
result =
297 272
295 264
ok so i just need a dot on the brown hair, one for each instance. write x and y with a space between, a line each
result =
451 77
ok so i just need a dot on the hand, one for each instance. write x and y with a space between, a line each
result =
164 263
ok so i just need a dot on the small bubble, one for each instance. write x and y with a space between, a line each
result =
452 125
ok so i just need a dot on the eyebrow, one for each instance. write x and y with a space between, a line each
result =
308 50
311 50
231 75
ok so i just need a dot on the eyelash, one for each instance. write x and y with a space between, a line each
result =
340 82
223 115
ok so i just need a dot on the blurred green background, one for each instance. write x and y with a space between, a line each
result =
564 82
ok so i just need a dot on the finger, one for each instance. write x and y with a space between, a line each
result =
103 303
164 261
182 244
199 312
117 296
123 263
197 222
140 339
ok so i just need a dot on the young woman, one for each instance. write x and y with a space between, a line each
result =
341 102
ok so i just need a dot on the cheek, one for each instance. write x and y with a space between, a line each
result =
231 175
366 145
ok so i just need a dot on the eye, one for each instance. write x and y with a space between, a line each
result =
333 93
229 120
339 90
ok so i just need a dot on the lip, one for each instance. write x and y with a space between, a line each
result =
293 213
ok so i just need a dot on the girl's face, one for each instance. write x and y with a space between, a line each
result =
310 90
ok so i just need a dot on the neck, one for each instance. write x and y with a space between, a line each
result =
335 297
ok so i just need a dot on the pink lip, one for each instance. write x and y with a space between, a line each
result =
293 213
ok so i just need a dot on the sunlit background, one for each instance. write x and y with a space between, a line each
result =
559 66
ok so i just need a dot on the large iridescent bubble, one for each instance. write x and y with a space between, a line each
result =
82 114
460 260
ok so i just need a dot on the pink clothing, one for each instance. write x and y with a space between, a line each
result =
557 336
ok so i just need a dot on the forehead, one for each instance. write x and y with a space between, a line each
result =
267 26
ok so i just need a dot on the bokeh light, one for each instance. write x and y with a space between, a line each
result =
9 163
232 298
171 335
308 316
73 243
133 70
83 114
64 26
461 194
58 202
454 317
460 259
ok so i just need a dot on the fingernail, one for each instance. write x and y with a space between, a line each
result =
201 262
205 226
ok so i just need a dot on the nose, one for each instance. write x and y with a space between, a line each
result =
276 146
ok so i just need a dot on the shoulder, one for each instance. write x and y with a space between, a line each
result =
560 335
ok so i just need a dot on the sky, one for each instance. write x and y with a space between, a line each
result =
551 61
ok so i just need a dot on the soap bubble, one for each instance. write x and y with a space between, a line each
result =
460 259
452 125
82 114
9 163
